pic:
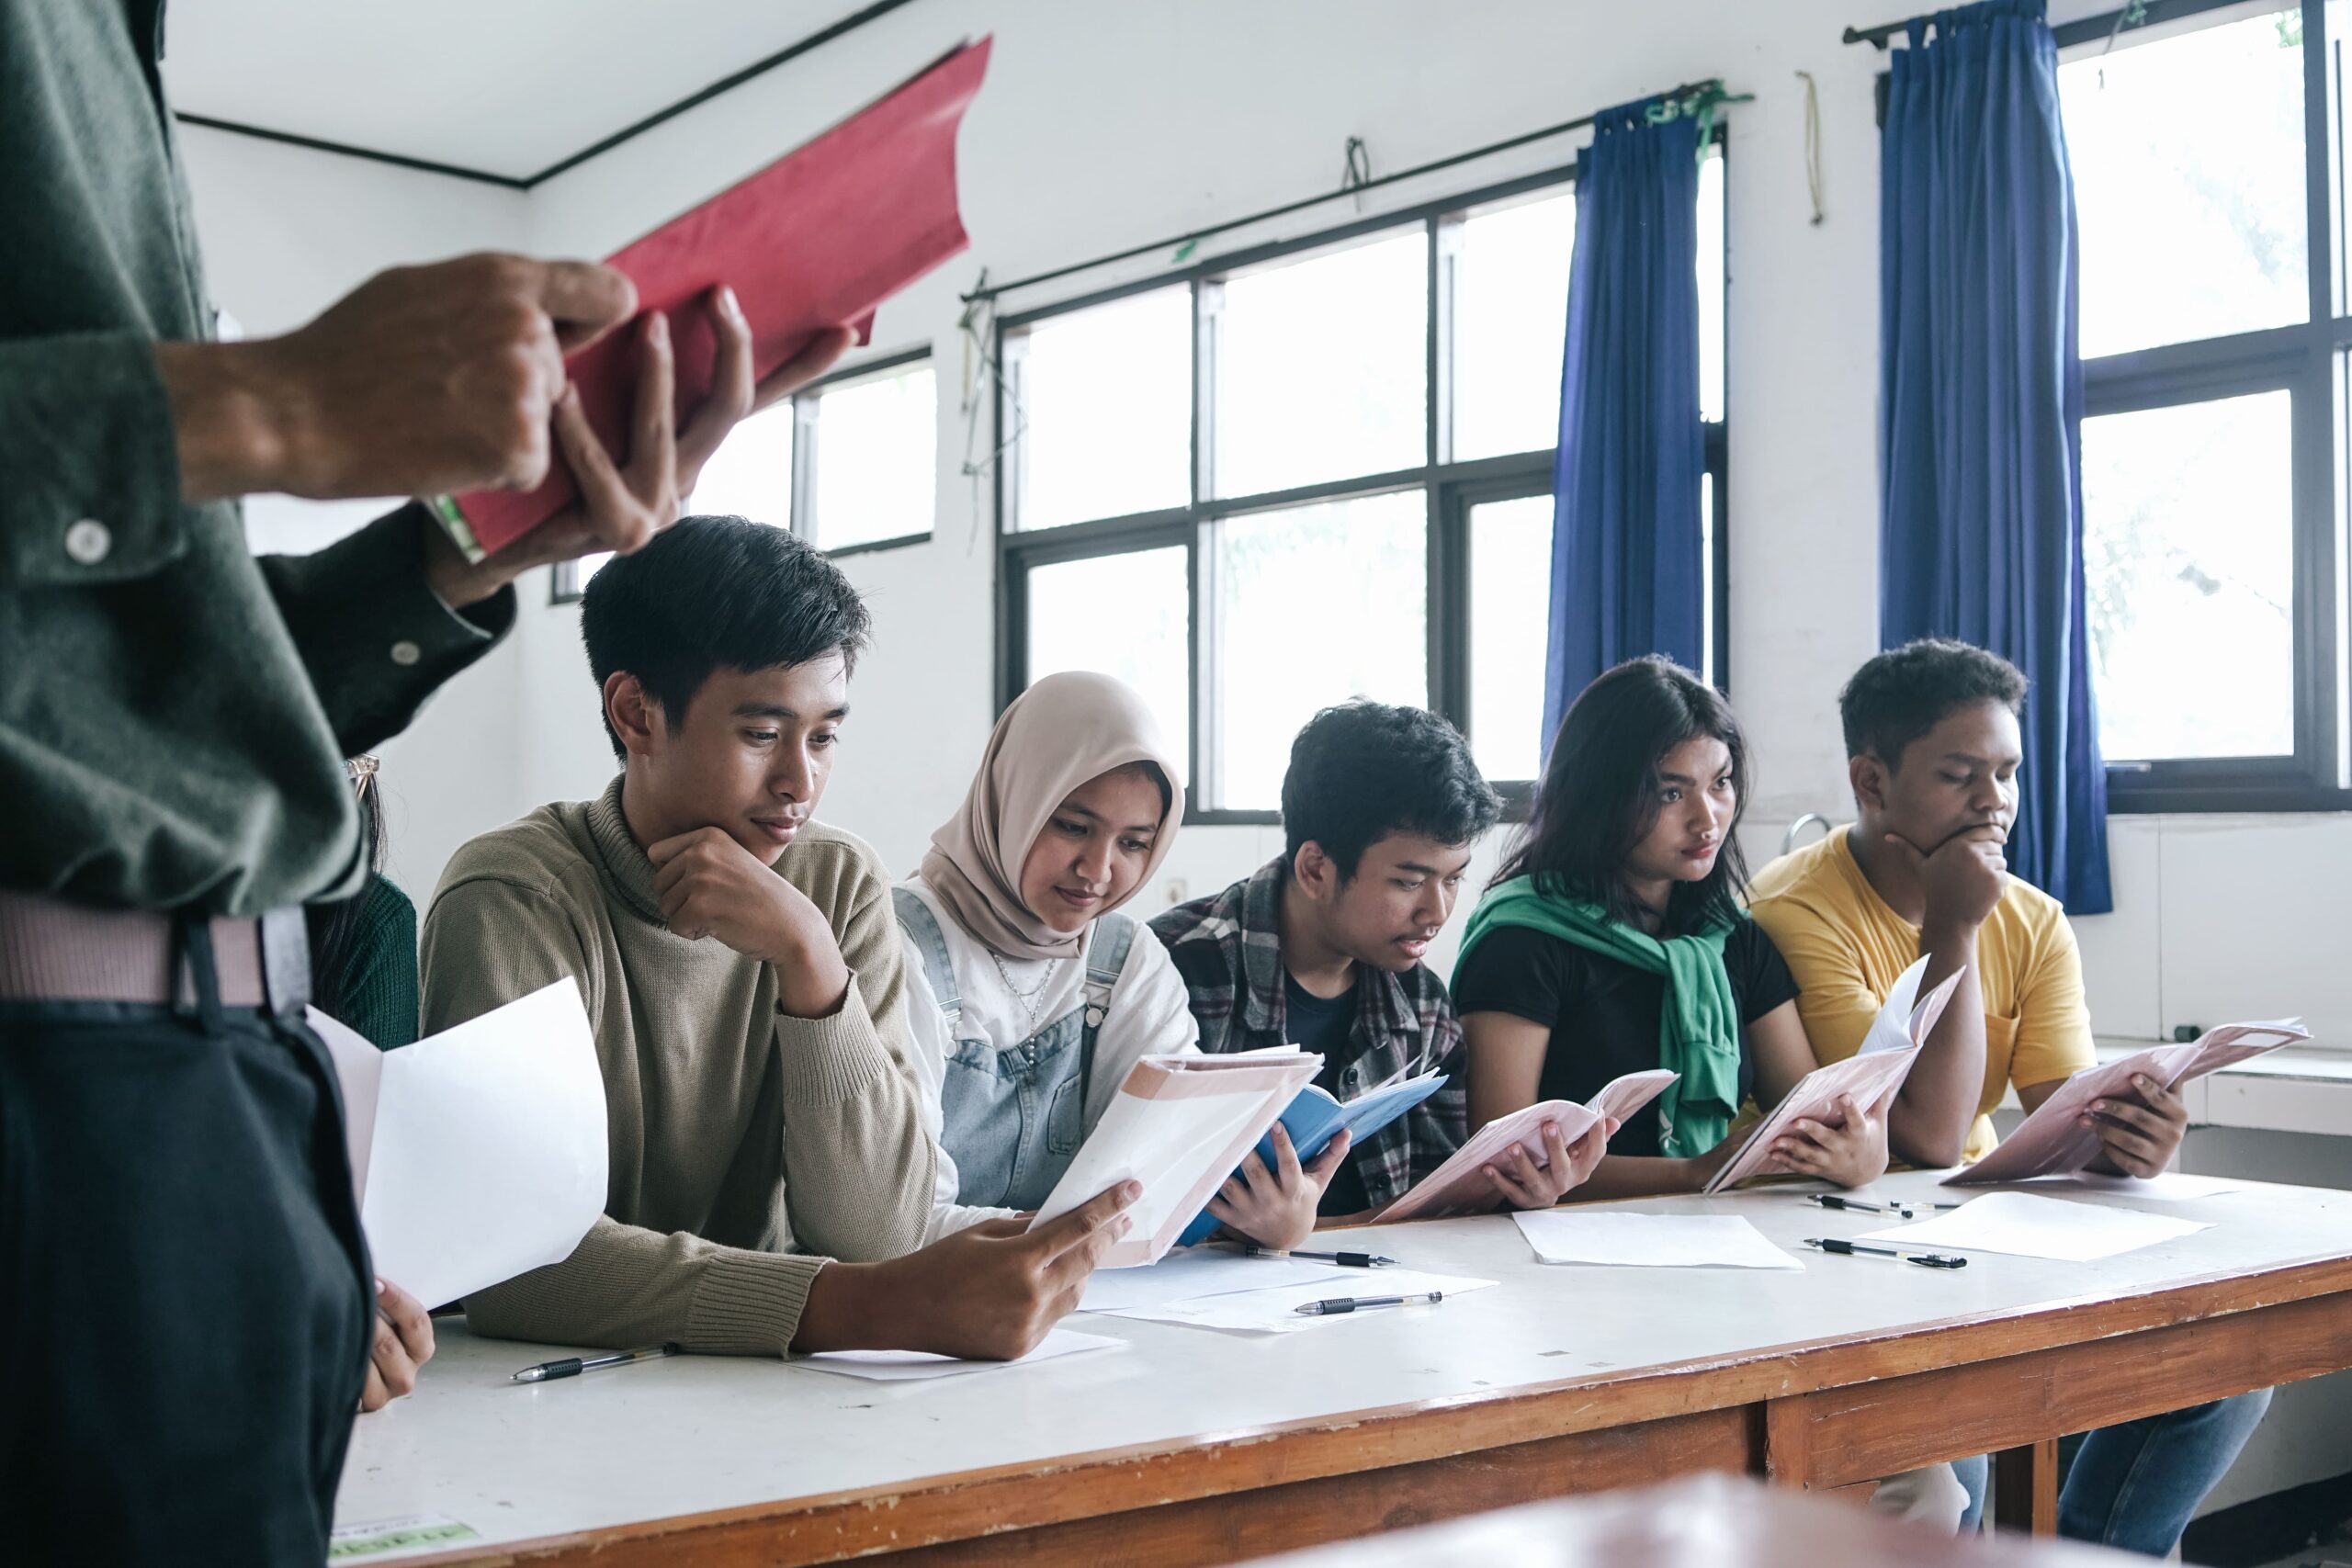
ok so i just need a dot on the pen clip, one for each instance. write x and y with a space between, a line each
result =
1935 1260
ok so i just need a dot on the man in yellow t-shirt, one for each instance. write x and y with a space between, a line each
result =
1932 751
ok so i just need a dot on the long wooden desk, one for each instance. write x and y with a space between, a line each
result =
1193 1447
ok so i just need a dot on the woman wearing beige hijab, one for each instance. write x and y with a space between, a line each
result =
1030 996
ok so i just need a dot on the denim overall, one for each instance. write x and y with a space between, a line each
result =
1011 1119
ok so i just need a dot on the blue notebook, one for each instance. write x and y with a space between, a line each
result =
1314 1117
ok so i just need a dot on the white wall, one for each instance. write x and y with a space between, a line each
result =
1105 127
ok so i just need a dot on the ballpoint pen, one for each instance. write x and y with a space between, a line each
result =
573 1366
1337 1304
1833 1200
1924 1260
1344 1259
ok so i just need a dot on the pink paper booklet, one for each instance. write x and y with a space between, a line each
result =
1459 1185
2053 1142
1871 1078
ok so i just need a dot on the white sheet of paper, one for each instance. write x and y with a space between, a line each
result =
915 1365
1649 1241
487 1156
1891 1030
2164 1186
1179 1145
1276 1312
2025 1226
1191 1272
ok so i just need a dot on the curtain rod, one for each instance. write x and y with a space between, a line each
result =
1192 237
2107 24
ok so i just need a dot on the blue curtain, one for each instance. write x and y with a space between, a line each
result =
1980 404
1625 533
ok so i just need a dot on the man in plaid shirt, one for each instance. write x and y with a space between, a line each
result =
1322 948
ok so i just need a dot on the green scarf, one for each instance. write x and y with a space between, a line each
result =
1698 1024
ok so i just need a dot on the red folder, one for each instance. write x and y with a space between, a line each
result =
818 238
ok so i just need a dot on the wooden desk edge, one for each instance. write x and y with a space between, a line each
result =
1004 1498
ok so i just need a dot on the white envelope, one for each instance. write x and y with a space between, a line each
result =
479 1154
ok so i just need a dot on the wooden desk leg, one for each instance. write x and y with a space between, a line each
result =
1788 1443
2025 1488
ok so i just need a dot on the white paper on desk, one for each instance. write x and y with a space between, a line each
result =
2054 1140
1276 1312
1191 1272
2022 1226
915 1365
1179 1125
1649 1241
479 1154
2164 1186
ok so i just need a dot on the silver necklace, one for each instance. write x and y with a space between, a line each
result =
1031 1001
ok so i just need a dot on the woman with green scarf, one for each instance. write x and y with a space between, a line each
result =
1613 940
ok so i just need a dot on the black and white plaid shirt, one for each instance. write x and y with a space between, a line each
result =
1228 948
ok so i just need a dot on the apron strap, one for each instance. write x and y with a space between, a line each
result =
931 949
1106 956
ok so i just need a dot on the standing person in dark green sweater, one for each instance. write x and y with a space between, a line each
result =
182 1277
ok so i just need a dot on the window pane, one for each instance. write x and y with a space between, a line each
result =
1126 615
875 461
751 474
2189 570
1711 287
1101 408
1510 598
2187 154
1322 366
1316 604
1510 317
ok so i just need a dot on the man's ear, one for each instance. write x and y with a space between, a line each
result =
636 717
1314 871
1869 777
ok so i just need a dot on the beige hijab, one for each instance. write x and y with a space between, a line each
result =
1057 735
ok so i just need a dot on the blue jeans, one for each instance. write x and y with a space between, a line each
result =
2135 1486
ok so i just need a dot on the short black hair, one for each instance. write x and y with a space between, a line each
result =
712 594
1364 770
1907 692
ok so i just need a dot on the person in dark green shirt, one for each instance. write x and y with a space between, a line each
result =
186 1290
363 948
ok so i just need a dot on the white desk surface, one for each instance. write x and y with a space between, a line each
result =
693 1434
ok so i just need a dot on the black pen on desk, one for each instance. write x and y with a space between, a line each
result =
1832 1201
1344 1259
1339 1304
1924 1260
573 1366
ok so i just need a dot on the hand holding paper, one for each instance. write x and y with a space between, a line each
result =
1178 1126
479 1154
2054 1140
1460 1186
1870 1079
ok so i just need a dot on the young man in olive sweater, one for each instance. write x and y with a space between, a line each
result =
771 1178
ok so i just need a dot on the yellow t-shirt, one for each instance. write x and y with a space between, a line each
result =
1846 950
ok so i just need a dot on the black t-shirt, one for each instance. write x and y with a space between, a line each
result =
1322 1024
1604 1014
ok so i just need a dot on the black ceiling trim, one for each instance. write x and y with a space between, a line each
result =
823 36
